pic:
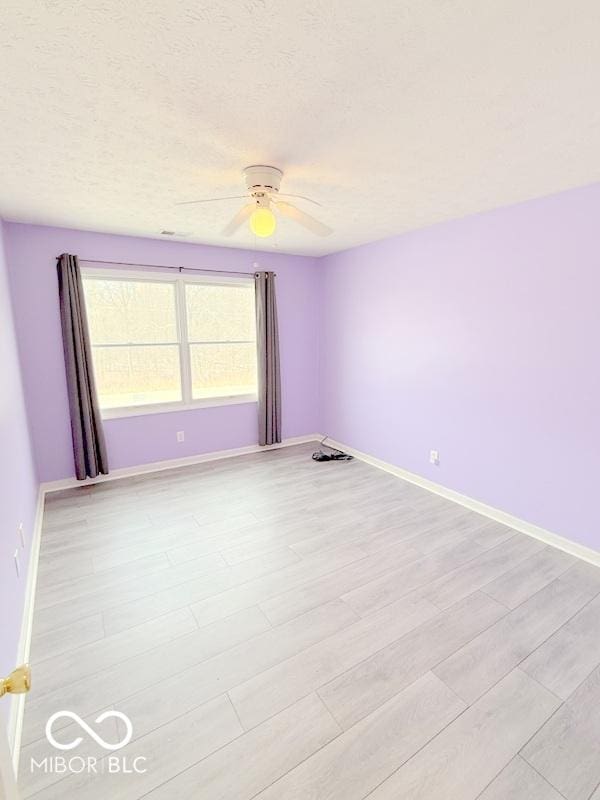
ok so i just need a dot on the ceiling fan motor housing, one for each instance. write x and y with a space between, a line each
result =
262 180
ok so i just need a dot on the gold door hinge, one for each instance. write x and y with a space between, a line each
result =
18 682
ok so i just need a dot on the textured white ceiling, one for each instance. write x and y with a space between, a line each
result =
394 115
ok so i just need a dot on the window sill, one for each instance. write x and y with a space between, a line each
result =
170 408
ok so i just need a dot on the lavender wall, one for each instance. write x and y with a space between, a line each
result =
131 441
18 484
479 338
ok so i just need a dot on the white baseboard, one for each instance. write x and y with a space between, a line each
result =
158 466
15 720
553 539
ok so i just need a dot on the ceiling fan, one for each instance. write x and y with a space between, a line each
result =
263 184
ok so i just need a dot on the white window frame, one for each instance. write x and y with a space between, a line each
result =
178 281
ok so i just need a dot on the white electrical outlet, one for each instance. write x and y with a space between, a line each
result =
434 457
17 565
21 534
180 436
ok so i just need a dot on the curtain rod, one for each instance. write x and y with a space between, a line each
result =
163 266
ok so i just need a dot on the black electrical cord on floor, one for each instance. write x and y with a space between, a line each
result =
335 455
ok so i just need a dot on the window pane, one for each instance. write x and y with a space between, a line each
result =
120 312
220 313
220 370
137 376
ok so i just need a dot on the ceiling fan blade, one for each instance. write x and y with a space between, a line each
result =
239 218
300 197
212 200
302 218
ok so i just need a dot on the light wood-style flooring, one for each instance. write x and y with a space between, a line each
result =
282 629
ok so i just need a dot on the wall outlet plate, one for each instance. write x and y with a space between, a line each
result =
180 436
434 457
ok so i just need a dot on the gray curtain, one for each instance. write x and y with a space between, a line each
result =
267 340
89 448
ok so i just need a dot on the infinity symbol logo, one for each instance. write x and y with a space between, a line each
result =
90 732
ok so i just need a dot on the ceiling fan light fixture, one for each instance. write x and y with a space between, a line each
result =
262 184
263 222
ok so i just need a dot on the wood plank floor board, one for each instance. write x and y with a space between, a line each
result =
54 570
566 750
107 581
390 587
111 549
390 534
328 538
527 577
369 684
73 608
257 544
583 577
475 574
112 684
126 513
518 781
452 529
281 685
221 673
204 513
428 531
307 533
290 604
570 655
355 763
56 529
490 534
260 589
474 668
106 539
121 617
425 501
149 595
282 742
62 669
168 750
118 519
461 761
61 640
251 540
157 544
415 531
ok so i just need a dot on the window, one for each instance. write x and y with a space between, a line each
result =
222 339
168 343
